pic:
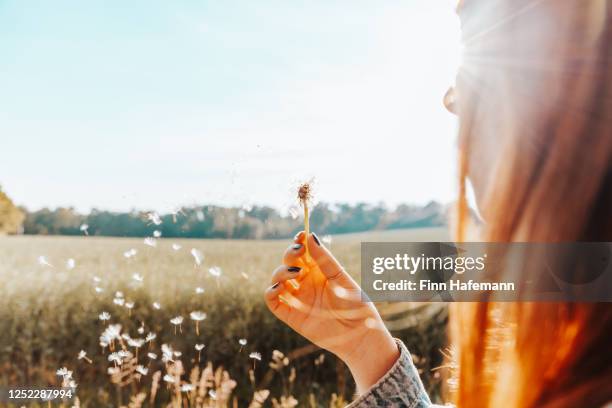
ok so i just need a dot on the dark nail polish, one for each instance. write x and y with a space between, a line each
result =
296 246
294 269
275 285
316 239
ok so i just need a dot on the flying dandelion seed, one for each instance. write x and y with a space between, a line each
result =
215 271
294 212
43 261
198 256
177 321
142 370
156 305
177 354
187 387
119 294
242 342
176 247
129 306
96 279
199 290
130 253
157 233
154 218
255 356
119 301
199 348
98 289
152 356
200 215
327 239
197 316
115 358
104 316
141 329
83 356
150 337
150 241
70 264
244 275
167 353
84 229
64 373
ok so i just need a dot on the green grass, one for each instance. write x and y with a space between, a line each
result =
48 314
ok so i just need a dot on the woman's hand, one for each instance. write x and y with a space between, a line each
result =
319 300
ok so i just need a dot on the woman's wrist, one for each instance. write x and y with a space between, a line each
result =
370 360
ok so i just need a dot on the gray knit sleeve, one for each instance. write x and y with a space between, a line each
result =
399 387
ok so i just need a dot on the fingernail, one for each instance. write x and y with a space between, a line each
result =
296 246
316 239
274 286
294 269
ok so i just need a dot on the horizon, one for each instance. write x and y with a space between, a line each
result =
156 105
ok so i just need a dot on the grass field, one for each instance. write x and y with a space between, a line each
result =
54 289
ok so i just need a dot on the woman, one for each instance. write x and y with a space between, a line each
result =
534 102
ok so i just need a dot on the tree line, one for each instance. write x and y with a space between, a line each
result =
210 221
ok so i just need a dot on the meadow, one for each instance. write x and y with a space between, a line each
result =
227 350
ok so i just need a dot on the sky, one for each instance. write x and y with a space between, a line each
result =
156 104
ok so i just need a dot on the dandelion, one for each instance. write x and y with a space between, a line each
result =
242 342
197 317
255 356
115 358
130 253
154 218
71 384
84 229
199 290
98 289
103 344
137 277
157 233
169 379
177 321
152 356
244 275
119 301
156 305
42 260
167 353
176 247
104 316
150 241
198 256
199 348
137 344
83 356
70 264
141 329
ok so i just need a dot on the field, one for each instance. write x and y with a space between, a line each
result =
54 289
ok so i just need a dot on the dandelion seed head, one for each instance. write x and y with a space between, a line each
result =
150 336
177 354
136 343
104 316
197 315
255 356
64 372
141 330
82 354
187 387
242 342
304 193
199 347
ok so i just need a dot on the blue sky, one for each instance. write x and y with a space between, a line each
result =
155 104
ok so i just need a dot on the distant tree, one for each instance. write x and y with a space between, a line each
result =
11 217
